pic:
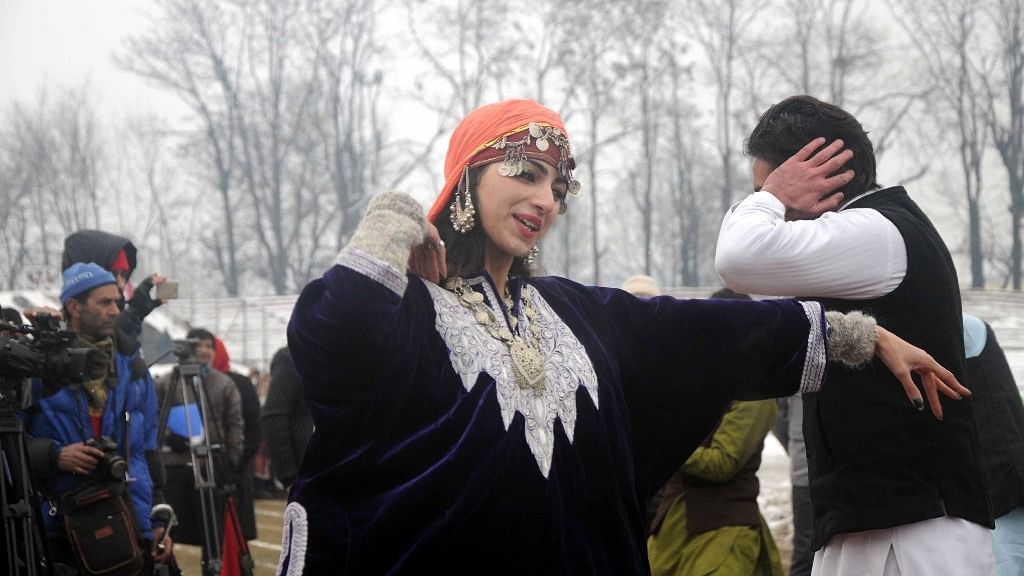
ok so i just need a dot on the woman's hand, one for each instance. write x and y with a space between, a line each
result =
902 358
427 259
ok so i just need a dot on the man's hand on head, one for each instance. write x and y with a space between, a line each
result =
805 183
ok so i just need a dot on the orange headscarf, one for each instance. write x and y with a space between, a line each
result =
481 128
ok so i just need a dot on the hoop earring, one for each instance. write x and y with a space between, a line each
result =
463 212
530 260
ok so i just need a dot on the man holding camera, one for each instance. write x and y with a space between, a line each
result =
102 431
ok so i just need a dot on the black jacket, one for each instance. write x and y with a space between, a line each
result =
286 420
251 422
1000 415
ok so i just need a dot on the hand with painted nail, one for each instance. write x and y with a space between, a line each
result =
904 359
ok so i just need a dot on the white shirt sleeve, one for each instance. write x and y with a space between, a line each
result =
855 254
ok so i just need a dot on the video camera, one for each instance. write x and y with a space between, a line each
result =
43 350
185 350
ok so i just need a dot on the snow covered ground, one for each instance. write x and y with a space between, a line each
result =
774 499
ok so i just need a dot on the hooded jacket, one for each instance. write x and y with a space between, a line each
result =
99 247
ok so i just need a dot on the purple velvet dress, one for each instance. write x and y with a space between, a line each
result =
428 458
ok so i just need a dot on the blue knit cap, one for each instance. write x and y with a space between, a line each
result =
81 277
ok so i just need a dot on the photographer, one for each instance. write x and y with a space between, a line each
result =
224 433
107 421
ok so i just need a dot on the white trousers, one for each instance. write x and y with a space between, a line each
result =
933 547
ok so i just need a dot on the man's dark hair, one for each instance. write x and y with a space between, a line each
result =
82 299
788 126
200 334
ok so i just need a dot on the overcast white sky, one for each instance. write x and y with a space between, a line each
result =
67 42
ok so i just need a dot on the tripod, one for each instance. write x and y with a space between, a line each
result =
23 546
204 456
203 468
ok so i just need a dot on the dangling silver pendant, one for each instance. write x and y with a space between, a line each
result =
531 258
528 366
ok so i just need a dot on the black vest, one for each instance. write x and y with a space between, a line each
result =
1000 414
873 460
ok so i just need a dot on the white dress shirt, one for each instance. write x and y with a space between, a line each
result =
854 253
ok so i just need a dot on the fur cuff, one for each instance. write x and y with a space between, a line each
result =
392 225
851 338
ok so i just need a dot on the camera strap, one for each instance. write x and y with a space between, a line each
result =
125 416
77 392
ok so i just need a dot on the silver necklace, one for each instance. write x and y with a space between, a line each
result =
527 361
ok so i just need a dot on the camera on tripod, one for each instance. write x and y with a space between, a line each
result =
185 350
43 350
111 466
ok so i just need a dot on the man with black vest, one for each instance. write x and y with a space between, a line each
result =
894 491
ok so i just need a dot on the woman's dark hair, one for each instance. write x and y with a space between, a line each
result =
466 252
788 126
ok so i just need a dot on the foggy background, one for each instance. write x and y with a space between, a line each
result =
236 142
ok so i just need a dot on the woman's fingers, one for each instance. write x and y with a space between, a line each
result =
931 382
948 384
427 259
936 379
910 388
442 262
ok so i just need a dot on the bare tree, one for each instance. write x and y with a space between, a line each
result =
645 63
944 33
468 47
686 198
1005 111
54 155
720 27
287 98
601 64
189 50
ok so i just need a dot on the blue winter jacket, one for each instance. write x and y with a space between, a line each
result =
61 418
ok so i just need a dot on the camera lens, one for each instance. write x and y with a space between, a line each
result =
118 468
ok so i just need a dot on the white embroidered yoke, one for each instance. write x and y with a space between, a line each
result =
473 351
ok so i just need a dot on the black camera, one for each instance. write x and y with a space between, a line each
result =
43 350
112 466
185 350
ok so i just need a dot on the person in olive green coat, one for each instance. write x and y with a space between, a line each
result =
708 521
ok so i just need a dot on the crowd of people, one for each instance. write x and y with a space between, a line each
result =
164 429
442 405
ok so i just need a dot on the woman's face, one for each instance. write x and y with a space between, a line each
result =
516 211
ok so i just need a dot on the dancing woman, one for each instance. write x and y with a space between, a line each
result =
471 418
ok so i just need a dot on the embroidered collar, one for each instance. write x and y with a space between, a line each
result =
473 352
